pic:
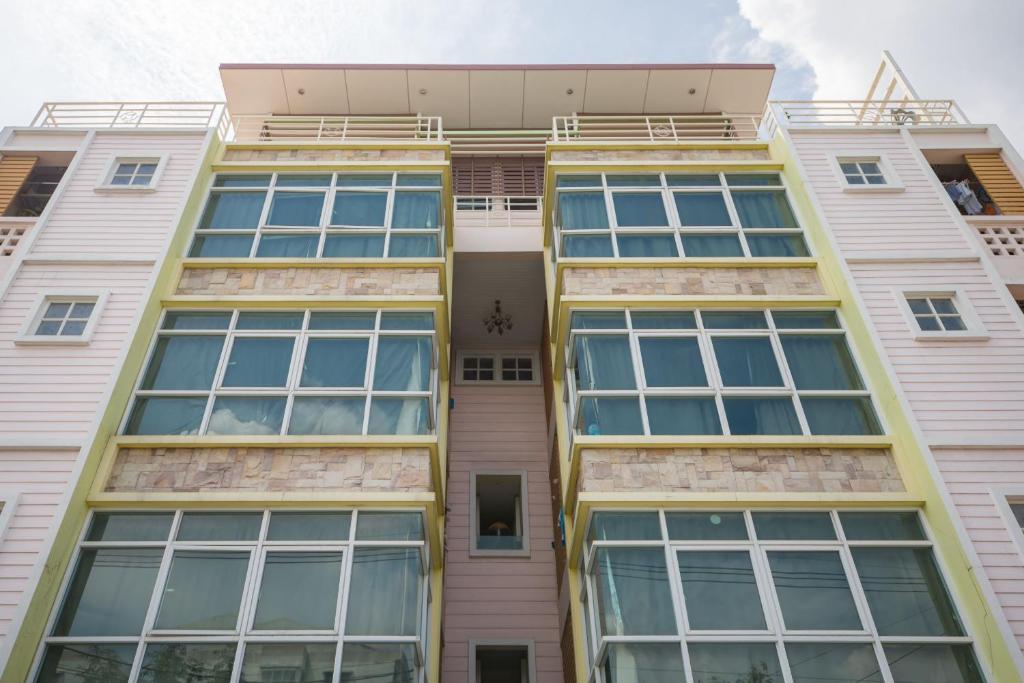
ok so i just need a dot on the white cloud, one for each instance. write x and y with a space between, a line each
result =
949 49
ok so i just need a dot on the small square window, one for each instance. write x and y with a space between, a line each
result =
866 174
499 367
498 516
62 319
132 174
941 314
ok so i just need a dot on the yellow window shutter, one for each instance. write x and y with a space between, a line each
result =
14 171
998 180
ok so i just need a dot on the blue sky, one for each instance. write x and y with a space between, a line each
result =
170 49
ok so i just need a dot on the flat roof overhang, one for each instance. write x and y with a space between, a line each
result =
495 96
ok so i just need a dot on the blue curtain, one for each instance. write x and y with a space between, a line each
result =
399 416
747 362
237 415
288 246
384 592
259 362
845 416
590 246
820 362
296 208
672 362
362 209
712 245
416 210
763 209
648 246
601 416
403 364
233 210
582 211
702 208
354 246
184 363
683 416
314 415
761 416
639 209
604 362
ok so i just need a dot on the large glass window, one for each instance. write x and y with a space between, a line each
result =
289 372
714 372
329 215
211 596
751 597
671 215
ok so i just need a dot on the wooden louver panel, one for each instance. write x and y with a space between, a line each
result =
14 171
998 180
498 176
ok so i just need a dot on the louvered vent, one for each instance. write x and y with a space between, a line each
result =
498 176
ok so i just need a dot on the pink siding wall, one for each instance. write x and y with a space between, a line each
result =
41 478
51 394
970 474
964 394
499 427
90 223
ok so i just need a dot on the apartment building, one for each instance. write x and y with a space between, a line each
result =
433 377
86 216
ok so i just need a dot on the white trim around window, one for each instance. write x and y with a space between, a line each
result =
107 184
974 329
892 182
1004 498
474 514
9 499
496 643
502 367
29 333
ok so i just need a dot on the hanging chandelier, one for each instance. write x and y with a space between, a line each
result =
498 321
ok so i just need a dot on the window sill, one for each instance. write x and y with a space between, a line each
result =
124 189
732 441
951 336
46 340
873 189
484 554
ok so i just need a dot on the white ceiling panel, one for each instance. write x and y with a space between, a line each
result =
545 96
378 91
254 91
517 280
738 90
447 95
325 91
614 92
496 99
668 91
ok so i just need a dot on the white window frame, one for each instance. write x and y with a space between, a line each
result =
9 499
497 357
292 389
674 227
975 329
485 643
1004 497
893 183
775 634
715 388
243 635
27 336
106 180
474 514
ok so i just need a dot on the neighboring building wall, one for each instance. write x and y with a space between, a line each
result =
40 478
974 477
501 598
966 395
88 242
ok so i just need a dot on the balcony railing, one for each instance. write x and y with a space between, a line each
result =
165 115
305 129
497 212
1001 235
680 128
863 113
12 232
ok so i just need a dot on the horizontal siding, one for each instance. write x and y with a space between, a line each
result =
85 222
958 390
41 478
499 427
56 389
970 476
910 222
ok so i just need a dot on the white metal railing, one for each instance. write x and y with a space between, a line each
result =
12 232
1001 235
479 211
666 128
265 128
863 113
168 115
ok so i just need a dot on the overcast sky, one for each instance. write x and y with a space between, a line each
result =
170 49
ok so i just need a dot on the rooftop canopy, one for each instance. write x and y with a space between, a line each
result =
495 96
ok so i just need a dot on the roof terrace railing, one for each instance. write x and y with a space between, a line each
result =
863 113
132 115
655 128
306 129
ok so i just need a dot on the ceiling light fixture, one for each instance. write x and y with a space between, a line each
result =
498 321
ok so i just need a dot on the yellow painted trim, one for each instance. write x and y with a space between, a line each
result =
340 263
411 145
288 441
295 499
652 145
